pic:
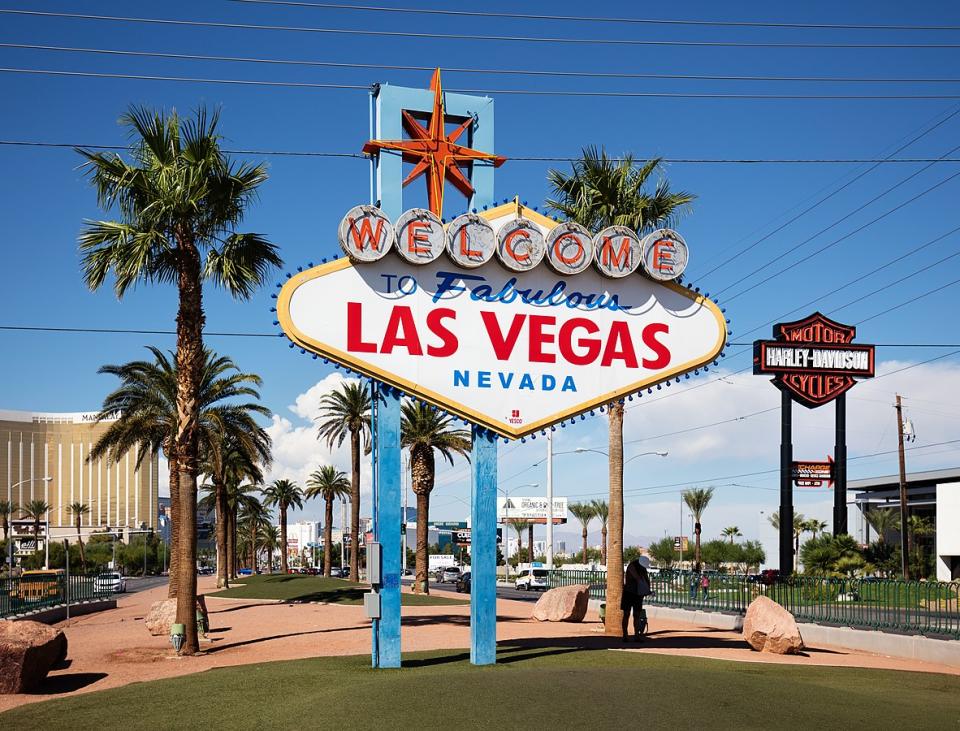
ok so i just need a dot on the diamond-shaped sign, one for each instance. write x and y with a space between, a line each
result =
512 351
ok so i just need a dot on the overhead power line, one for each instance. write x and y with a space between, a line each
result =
519 92
588 19
474 37
481 71
569 158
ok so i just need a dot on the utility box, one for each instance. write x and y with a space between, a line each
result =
374 565
371 605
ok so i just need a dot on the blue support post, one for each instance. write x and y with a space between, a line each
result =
483 549
386 641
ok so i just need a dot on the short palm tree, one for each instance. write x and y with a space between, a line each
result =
597 193
424 429
732 532
78 510
180 200
584 512
284 494
697 499
143 416
520 526
327 483
7 509
798 521
37 511
602 512
346 412
270 540
884 521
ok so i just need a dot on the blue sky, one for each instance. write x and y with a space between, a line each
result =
45 199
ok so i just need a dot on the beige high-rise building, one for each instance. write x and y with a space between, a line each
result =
38 445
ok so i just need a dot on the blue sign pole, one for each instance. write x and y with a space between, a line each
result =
483 550
387 629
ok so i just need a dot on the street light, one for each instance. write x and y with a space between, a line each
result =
10 500
581 450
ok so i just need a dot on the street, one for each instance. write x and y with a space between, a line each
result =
139 583
503 592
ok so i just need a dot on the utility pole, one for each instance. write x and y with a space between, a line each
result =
904 527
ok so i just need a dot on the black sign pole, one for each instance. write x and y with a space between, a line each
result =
786 483
840 469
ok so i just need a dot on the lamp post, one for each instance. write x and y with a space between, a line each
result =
10 500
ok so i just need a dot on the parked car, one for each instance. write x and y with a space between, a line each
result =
339 573
533 580
111 582
463 583
245 572
408 572
449 575
209 571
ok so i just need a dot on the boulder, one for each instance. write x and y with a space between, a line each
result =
563 604
161 615
768 627
28 650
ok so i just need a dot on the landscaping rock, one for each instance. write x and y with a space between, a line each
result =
563 604
161 615
768 627
28 650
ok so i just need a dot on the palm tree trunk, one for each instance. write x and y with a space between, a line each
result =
234 534
283 538
422 583
696 532
253 546
83 560
328 536
355 506
220 502
603 544
614 614
530 544
174 569
584 543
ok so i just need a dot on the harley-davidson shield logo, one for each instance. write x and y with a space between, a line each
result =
814 359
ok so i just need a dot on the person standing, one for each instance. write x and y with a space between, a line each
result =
636 585
705 585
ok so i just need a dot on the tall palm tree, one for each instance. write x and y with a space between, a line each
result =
270 540
7 509
180 200
78 510
602 512
37 511
798 521
143 417
732 532
327 483
697 499
253 516
346 412
424 429
584 512
601 192
883 521
520 526
284 494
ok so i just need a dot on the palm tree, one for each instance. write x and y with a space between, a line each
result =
697 499
78 510
584 512
7 509
520 526
424 429
270 540
327 483
798 521
597 193
918 526
143 417
732 532
180 201
284 494
346 411
883 521
37 511
601 511
253 516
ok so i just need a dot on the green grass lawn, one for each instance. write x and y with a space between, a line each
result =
300 588
532 687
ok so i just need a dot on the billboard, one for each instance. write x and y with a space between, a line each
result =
813 474
531 509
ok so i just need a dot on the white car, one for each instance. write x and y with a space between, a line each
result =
110 583
537 579
449 575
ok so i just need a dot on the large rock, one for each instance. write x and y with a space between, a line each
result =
161 615
28 650
563 604
768 627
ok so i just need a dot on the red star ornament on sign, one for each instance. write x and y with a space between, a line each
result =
435 154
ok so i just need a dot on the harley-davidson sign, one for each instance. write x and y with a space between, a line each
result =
814 359
813 474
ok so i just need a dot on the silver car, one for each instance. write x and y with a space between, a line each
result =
449 575
111 583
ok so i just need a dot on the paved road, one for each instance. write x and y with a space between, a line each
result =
503 592
136 583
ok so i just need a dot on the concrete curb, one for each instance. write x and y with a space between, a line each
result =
59 613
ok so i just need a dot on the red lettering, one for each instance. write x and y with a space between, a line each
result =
607 254
619 346
649 337
416 237
592 345
366 233
355 342
663 255
539 338
558 251
435 324
508 244
502 345
465 249
401 332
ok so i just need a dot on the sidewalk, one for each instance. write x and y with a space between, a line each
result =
113 648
